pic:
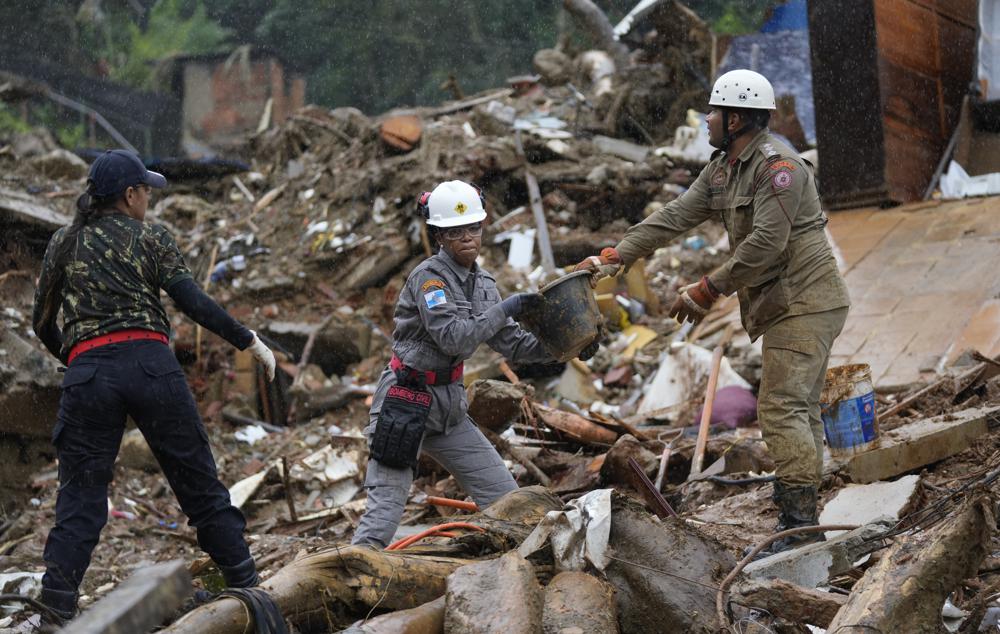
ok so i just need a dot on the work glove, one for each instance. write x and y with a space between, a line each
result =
588 352
263 355
607 264
520 303
694 301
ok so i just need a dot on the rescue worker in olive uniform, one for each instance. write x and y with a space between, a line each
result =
782 268
448 307
105 272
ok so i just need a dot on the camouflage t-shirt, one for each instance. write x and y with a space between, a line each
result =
113 281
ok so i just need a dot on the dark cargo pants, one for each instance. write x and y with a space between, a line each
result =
101 387
796 352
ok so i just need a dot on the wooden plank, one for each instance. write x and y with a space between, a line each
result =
963 12
791 602
910 161
845 82
918 444
142 602
907 35
909 97
957 46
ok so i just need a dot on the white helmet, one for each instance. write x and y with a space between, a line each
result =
742 89
454 203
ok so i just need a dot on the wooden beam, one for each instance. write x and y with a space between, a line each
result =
144 601
906 590
790 602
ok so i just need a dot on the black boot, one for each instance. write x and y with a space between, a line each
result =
62 603
796 508
242 575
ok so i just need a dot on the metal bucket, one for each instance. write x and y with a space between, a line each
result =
569 320
847 408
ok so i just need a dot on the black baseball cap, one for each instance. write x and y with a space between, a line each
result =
116 170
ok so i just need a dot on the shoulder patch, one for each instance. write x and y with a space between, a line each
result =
719 178
782 179
435 298
783 164
429 284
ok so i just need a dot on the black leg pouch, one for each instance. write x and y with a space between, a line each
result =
400 426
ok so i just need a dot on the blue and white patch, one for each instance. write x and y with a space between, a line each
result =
435 298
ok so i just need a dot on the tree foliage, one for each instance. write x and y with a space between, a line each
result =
373 54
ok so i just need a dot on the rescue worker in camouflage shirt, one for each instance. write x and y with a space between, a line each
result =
782 269
105 272
448 307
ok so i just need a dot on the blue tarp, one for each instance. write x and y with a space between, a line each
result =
790 16
783 58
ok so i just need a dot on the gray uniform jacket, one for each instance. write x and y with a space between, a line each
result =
444 312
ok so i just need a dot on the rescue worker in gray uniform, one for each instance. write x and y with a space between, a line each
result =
447 308
782 269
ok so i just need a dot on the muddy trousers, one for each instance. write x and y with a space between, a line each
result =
796 352
143 380
464 452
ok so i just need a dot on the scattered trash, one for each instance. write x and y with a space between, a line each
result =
250 434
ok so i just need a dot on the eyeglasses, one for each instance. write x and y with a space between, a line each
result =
457 233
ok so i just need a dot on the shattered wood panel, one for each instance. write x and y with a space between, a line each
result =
911 160
907 35
906 590
845 83
957 48
908 60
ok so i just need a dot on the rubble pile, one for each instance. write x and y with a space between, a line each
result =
613 529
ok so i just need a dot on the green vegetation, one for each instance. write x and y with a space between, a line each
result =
374 54
175 27
47 116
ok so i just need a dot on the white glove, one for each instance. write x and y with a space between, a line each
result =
263 355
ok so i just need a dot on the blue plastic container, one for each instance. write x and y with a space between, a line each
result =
847 405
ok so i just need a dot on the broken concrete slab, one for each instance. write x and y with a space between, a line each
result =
578 602
142 602
811 565
494 597
650 563
340 343
29 387
615 469
60 163
576 384
918 444
495 404
19 208
620 148
135 453
861 504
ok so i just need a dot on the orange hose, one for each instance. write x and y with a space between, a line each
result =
406 541
456 504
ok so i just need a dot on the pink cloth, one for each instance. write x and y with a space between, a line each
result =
734 407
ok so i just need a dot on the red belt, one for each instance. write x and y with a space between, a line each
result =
433 378
118 336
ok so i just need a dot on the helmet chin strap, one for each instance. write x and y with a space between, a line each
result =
728 137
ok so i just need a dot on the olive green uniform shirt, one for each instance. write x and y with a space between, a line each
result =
114 278
782 263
